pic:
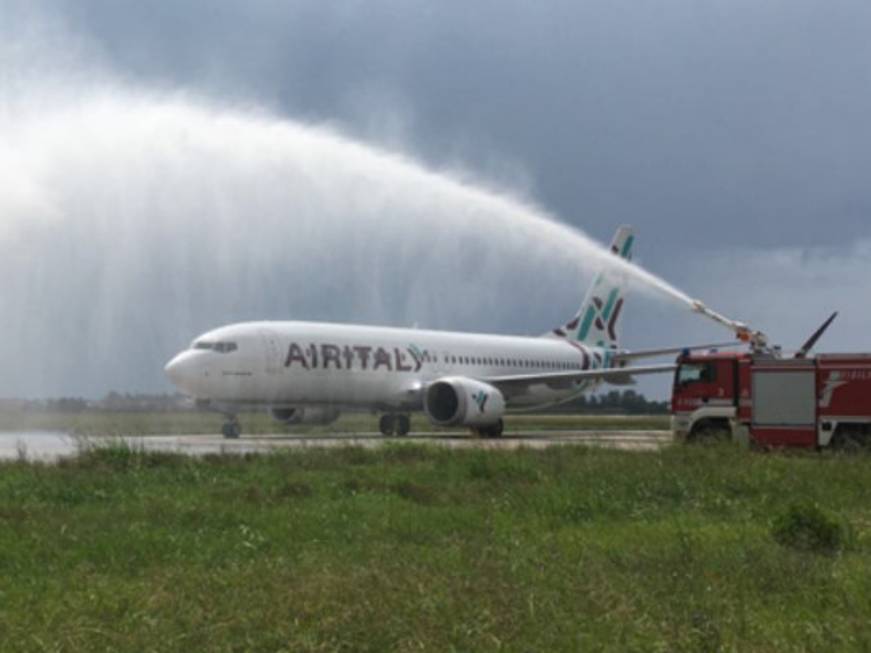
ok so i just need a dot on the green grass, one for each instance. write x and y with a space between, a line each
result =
144 423
410 548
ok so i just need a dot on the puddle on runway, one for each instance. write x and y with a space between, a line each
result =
37 445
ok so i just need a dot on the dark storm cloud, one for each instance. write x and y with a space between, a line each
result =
744 122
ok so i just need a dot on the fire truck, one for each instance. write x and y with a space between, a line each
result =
765 399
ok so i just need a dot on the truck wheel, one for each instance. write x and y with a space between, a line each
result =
850 440
710 431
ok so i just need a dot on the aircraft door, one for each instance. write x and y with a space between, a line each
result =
271 351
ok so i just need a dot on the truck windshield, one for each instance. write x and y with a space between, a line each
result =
695 373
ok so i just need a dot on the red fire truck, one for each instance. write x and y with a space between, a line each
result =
764 399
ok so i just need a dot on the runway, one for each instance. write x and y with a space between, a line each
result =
49 446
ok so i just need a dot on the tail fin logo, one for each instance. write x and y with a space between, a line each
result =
604 315
597 321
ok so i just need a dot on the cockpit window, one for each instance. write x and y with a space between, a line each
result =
220 347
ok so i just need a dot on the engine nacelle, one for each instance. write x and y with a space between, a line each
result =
456 400
306 415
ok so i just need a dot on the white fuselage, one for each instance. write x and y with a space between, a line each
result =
308 363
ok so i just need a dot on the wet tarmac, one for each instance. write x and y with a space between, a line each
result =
49 446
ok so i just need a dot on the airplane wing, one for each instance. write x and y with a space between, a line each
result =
626 355
411 396
614 375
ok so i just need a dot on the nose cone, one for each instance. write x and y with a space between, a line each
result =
181 370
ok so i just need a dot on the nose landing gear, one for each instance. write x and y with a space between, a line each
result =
391 424
231 428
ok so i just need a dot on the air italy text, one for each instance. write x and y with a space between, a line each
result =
364 357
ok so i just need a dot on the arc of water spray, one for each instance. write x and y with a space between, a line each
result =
147 218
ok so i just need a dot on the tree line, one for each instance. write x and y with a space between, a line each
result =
626 402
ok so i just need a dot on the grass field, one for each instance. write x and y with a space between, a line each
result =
136 423
408 548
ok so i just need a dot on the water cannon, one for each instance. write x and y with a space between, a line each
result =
756 339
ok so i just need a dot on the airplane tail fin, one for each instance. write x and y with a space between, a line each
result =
597 322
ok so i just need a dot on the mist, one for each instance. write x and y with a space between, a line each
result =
134 219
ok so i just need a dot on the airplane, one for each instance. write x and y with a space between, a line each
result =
308 372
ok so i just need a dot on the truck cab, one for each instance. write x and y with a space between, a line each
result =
706 394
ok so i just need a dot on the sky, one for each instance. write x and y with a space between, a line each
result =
732 134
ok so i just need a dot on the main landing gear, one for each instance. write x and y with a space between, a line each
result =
491 431
391 424
231 428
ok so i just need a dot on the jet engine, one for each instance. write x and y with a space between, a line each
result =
453 401
305 415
